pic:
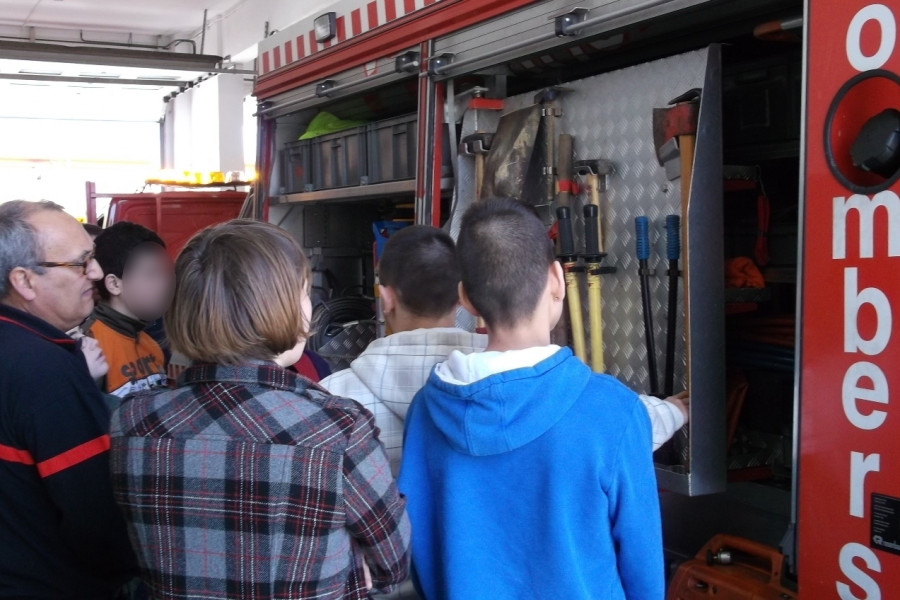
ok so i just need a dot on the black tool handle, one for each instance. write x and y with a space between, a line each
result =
566 241
673 237
673 252
591 233
641 225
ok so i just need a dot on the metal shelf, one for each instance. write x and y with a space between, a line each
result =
360 192
759 152
742 295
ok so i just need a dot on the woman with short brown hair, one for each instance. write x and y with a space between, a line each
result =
247 480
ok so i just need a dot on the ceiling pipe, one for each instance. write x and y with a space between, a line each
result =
87 79
171 61
168 46
202 33
82 40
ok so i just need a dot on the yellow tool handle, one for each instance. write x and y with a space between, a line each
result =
576 319
596 317
479 176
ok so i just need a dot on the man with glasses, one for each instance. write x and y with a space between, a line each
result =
61 534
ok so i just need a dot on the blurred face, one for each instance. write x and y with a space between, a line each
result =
148 283
62 296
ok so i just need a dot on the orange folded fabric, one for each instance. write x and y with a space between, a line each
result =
742 272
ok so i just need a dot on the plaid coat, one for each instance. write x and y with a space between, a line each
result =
252 482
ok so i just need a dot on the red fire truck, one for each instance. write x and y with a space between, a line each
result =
770 129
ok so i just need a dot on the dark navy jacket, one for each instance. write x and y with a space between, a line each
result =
61 534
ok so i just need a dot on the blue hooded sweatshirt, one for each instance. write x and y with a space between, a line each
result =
529 476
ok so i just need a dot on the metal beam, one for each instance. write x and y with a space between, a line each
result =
111 57
103 80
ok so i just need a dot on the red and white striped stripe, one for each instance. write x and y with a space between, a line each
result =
354 18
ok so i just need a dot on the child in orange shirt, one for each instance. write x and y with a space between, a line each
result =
137 288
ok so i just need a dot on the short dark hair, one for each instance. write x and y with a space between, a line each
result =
504 253
114 246
92 230
419 263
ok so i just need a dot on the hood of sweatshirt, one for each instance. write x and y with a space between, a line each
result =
395 367
494 402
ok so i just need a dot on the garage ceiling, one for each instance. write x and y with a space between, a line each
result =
49 79
154 17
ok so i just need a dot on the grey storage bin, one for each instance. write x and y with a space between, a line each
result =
392 149
296 164
339 159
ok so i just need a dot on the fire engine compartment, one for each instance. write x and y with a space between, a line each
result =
739 477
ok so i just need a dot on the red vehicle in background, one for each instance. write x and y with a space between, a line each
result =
174 215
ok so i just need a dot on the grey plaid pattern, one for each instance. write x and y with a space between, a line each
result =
252 482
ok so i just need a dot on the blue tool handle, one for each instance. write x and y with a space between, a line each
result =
642 227
673 237
566 242
591 235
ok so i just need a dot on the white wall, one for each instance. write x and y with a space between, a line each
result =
206 125
232 90
211 119
237 30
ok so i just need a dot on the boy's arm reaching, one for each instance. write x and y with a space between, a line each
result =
634 513
666 416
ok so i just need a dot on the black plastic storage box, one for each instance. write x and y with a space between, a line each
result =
339 159
392 149
761 101
296 163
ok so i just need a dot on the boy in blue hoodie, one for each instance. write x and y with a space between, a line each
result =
527 475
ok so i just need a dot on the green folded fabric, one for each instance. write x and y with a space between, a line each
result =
325 122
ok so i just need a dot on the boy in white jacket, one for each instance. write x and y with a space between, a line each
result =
419 279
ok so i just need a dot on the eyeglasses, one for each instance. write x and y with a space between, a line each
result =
80 265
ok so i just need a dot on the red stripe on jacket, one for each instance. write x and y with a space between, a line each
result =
73 456
60 341
10 454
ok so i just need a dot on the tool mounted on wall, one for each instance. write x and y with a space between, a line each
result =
674 136
548 100
673 254
477 145
593 255
642 247
566 187
569 261
562 333
596 173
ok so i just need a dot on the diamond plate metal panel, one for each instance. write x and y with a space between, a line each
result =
610 117
345 346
